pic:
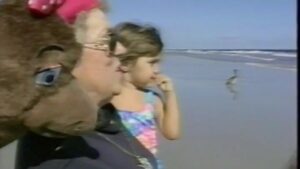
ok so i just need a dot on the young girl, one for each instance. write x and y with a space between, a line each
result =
141 110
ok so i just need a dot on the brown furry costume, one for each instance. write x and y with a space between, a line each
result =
28 45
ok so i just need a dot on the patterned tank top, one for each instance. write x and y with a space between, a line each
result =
142 124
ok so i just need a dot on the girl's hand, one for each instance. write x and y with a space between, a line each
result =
164 83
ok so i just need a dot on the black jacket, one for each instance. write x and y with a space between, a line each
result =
90 151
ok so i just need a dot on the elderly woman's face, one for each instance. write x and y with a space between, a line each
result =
100 74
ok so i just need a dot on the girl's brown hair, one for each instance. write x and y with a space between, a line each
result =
139 40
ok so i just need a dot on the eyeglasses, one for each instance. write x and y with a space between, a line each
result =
106 44
102 44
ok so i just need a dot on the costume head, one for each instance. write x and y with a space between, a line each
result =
38 52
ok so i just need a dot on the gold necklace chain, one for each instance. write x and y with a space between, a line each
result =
142 161
117 145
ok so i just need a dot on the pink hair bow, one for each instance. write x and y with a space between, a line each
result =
65 9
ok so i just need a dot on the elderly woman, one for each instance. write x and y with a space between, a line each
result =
110 145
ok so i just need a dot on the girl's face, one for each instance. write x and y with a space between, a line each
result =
144 71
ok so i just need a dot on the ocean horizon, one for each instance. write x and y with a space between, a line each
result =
270 58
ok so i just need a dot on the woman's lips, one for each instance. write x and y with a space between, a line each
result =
119 69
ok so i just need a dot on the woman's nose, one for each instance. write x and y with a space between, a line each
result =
116 61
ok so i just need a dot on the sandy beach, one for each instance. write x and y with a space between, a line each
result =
252 126
255 130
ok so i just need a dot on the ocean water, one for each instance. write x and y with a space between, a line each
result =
277 59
